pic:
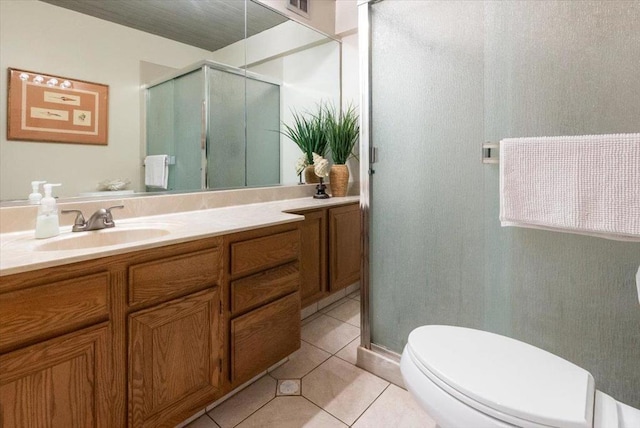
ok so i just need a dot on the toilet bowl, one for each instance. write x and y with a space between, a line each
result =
467 378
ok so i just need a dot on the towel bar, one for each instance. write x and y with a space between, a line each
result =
171 160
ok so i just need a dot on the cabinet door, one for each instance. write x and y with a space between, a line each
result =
174 359
264 336
313 257
63 382
344 245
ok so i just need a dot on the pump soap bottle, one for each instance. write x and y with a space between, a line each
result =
47 224
35 196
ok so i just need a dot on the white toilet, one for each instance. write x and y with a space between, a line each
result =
467 378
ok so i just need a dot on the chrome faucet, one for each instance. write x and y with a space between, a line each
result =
100 219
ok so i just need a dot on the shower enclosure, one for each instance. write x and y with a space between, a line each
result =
440 79
198 118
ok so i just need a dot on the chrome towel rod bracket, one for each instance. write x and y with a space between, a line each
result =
490 152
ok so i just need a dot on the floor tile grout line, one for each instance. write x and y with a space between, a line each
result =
332 309
258 409
326 411
270 400
323 410
369 406
317 347
334 305
337 319
348 362
342 322
350 342
310 319
345 322
204 414
209 416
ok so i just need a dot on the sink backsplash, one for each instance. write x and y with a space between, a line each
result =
15 219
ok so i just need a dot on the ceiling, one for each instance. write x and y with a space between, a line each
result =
207 24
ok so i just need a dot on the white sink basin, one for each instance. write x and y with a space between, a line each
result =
101 238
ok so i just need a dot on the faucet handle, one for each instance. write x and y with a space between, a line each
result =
79 223
109 218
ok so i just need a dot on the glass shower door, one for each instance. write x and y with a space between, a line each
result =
226 135
427 206
449 76
263 136
174 116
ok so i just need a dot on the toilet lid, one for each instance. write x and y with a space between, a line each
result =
493 372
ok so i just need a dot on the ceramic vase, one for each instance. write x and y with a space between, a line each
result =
339 180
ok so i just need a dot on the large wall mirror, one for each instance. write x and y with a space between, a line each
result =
208 83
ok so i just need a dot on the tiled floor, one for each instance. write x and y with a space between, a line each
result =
320 386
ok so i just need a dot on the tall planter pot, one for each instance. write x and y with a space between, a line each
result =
339 180
310 176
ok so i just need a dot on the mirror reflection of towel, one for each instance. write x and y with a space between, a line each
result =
156 173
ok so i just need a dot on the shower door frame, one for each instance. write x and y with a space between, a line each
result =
366 162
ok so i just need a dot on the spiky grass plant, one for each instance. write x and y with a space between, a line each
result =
342 131
308 132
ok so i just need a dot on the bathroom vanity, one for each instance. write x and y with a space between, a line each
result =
330 256
146 334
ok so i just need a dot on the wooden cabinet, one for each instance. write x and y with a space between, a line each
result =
313 258
56 340
147 338
264 311
264 336
174 359
256 254
256 290
65 333
344 246
167 277
63 382
175 337
330 259
37 313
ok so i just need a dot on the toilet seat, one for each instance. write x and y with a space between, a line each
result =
504 378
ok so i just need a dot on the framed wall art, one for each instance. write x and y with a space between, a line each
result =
57 109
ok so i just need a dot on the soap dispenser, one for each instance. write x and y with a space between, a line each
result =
47 224
35 196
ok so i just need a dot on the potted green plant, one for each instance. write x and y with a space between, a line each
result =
342 131
307 131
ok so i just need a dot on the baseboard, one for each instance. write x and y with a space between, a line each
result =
382 363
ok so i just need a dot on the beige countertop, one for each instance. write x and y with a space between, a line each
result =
21 252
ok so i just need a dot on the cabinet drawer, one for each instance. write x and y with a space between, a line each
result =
52 309
264 336
162 279
263 287
265 252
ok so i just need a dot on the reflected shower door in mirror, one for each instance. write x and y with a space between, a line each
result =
198 119
130 44
308 66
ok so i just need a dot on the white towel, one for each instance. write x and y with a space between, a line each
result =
156 173
583 184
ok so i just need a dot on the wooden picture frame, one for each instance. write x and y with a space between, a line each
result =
46 108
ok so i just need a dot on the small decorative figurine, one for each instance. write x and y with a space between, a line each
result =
321 169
